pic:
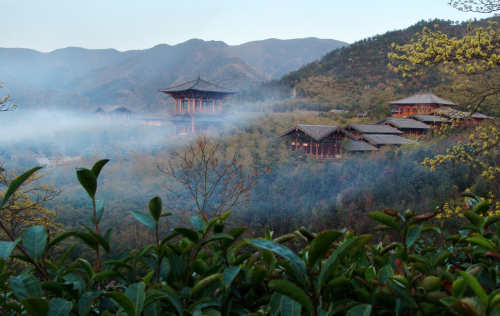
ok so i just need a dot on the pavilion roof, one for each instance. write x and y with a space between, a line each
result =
456 114
373 129
423 98
405 123
359 145
198 85
317 132
377 139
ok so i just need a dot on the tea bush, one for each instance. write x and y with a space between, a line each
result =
207 269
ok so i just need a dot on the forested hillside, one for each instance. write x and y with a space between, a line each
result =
357 77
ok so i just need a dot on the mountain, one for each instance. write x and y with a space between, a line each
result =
276 57
76 77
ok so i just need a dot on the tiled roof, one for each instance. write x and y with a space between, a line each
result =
121 108
387 139
373 129
198 85
317 132
405 123
359 145
423 98
429 118
456 114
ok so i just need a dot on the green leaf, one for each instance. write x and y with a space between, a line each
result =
292 291
36 306
475 219
281 304
96 168
229 275
155 207
88 180
385 219
145 219
481 207
53 287
122 301
203 284
360 310
439 260
403 293
106 274
412 235
198 223
188 233
475 286
59 307
25 286
220 236
282 251
35 240
107 235
136 293
16 183
6 248
482 242
320 245
428 228
335 258
87 267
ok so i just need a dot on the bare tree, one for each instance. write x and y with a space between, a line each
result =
202 180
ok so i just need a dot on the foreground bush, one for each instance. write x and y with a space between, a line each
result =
207 269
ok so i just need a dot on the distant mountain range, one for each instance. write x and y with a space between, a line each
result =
78 78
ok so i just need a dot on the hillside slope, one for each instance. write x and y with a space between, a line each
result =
357 78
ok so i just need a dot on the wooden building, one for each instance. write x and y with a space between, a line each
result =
467 118
406 125
360 146
386 140
197 97
323 141
198 105
421 103
360 129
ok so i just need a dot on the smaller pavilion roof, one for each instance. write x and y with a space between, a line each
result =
423 98
404 123
429 118
456 114
317 132
198 85
359 145
373 129
116 108
380 140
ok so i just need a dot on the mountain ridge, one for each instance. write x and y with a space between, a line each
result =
111 77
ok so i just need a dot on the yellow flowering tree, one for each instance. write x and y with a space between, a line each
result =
472 61
26 206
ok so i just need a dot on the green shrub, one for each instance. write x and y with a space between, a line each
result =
207 269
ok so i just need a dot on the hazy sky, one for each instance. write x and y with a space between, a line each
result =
51 24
